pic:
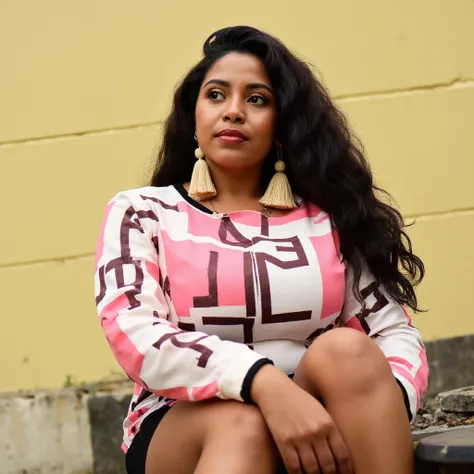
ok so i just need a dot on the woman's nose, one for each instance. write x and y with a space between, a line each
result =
234 113
234 117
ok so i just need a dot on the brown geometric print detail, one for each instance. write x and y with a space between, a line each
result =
190 327
262 259
157 316
247 323
167 287
161 203
264 226
227 228
155 243
249 285
193 345
130 222
117 265
380 302
169 207
210 300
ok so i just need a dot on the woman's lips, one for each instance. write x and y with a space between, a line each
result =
231 136
230 139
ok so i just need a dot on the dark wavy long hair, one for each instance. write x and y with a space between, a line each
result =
325 162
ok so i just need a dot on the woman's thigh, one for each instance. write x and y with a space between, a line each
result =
228 428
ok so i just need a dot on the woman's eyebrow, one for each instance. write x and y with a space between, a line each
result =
253 85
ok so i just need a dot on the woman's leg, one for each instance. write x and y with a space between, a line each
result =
210 437
349 373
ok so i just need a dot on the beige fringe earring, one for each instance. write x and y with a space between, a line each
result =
201 186
278 194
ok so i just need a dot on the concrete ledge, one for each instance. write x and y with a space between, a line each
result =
79 430
45 433
446 354
71 431
458 401
106 414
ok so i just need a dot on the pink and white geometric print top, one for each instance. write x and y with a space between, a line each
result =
193 302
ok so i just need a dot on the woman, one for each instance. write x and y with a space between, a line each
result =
261 313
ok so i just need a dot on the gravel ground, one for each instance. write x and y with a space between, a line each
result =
430 414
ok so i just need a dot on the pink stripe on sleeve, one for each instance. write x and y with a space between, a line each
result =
100 242
179 393
354 323
153 270
124 350
421 376
406 375
205 392
112 310
400 361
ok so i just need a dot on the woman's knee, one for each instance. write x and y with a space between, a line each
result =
346 358
223 427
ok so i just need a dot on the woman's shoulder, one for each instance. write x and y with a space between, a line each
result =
148 195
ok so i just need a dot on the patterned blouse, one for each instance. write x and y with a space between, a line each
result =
193 302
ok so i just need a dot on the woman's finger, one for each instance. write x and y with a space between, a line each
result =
340 453
308 459
290 458
325 457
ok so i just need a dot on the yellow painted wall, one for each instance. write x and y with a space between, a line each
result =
84 87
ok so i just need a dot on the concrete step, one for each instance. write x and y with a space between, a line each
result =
79 431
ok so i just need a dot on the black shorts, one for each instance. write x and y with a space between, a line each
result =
136 455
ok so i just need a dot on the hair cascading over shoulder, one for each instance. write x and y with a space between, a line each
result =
325 162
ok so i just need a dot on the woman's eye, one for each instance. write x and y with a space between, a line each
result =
215 95
258 100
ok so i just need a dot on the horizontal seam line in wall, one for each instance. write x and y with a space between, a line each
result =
99 131
339 98
58 260
436 215
454 84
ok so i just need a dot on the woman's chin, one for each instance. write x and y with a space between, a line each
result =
235 161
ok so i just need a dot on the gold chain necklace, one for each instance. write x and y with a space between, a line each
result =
266 211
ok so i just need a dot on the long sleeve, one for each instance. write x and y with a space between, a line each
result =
133 311
389 325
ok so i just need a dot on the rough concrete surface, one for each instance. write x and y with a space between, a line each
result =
451 364
106 412
458 401
45 433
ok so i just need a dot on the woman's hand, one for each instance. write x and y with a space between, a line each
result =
302 429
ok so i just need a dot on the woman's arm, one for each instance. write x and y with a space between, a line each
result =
134 315
389 325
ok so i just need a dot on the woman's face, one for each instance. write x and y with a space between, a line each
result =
236 112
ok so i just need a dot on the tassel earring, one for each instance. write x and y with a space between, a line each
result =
278 194
201 186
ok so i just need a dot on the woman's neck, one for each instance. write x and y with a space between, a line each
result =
237 185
